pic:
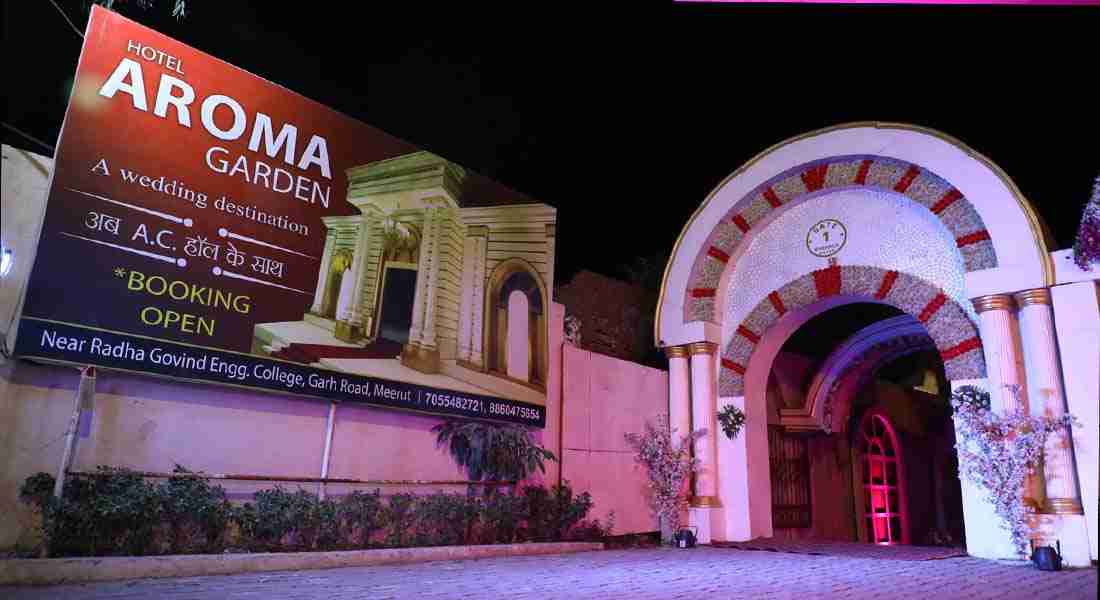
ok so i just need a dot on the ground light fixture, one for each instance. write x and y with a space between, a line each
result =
6 262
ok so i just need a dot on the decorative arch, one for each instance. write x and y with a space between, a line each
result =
1001 240
516 274
816 178
851 365
946 321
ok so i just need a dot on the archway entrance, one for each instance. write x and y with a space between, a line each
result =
860 431
876 213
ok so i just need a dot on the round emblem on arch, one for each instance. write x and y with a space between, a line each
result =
826 237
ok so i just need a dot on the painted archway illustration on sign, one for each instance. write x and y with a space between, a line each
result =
928 225
516 276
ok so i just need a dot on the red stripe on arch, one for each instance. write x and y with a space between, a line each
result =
747 333
714 252
887 284
907 179
732 366
932 307
814 177
741 223
703 292
774 200
973 238
962 348
947 200
777 303
861 175
827 281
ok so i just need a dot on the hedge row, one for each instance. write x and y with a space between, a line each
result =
119 513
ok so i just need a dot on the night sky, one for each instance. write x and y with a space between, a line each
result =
626 120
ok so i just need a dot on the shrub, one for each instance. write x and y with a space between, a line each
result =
118 513
444 519
113 514
360 515
501 516
196 514
290 521
551 514
400 516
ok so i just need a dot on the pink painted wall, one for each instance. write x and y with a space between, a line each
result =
603 399
152 424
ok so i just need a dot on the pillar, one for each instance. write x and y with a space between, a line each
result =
985 536
427 234
349 325
322 276
1001 345
428 333
1077 329
477 318
466 309
359 270
704 402
679 391
421 352
1044 376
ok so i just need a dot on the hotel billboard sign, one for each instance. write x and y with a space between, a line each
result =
205 224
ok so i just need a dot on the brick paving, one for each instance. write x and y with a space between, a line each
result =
648 574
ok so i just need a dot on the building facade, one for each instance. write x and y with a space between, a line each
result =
897 216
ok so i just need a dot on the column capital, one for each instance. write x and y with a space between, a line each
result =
676 351
993 302
702 348
705 502
1035 296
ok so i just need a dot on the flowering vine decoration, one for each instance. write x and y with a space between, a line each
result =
1086 247
998 451
732 419
573 330
669 465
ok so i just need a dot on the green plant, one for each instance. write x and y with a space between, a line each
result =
360 514
400 517
998 451
668 467
116 513
732 419
444 519
551 514
491 451
291 520
196 514
111 514
501 517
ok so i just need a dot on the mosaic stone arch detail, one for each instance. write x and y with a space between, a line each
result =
924 187
955 335
864 367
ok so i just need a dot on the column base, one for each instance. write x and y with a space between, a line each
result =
419 358
466 364
1062 506
347 332
700 518
1069 531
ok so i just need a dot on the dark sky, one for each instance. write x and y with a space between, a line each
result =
625 120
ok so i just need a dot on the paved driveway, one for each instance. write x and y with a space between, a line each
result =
709 573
